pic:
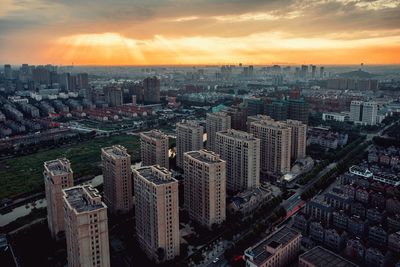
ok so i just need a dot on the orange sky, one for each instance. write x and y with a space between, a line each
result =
150 32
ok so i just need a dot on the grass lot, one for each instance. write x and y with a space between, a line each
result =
24 174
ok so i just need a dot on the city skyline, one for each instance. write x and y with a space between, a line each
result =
183 33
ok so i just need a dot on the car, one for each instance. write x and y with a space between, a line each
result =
216 260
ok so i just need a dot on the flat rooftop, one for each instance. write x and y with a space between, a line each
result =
241 135
116 151
283 236
155 134
156 175
205 156
188 124
83 198
321 257
271 124
58 166
218 114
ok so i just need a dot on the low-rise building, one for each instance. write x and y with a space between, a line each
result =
319 210
375 215
301 222
334 116
394 242
362 195
358 209
335 239
277 250
355 249
377 258
338 200
393 222
377 235
249 200
317 232
357 226
340 219
321 257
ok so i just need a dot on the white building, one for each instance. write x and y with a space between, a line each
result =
333 116
364 113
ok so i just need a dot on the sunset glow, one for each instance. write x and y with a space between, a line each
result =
335 32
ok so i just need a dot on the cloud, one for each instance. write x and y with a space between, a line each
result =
218 29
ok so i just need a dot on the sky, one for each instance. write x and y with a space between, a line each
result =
189 32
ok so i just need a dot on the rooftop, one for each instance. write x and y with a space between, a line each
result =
218 114
156 174
188 124
83 198
205 156
271 124
245 136
321 257
155 134
282 236
116 151
58 166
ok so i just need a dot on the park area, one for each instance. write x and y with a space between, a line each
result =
23 175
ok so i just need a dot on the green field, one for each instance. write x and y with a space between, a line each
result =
24 174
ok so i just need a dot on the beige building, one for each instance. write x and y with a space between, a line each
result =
216 122
117 175
276 145
241 151
86 227
189 137
279 249
257 117
154 148
299 139
58 175
157 212
205 187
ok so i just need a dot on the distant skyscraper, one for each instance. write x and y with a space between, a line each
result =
137 90
299 139
41 75
304 71
151 92
321 72
241 151
157 212
116 166
275 145
205 187
86 227
7 72
215 122
154 147
189 137
313 71
58 175
113 96
364 113
83 80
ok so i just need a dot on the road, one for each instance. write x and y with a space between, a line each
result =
295 200
293 204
